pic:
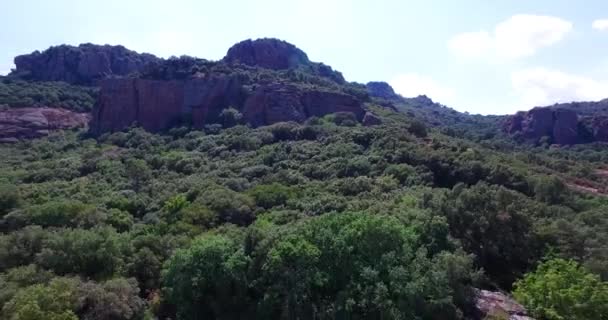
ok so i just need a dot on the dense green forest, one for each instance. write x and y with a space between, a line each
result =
322 220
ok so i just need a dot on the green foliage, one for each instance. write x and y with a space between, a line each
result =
17 93
350 265
494 224
208 279
9 198
70 298
96 253
560 289
268 196
271 211
55 301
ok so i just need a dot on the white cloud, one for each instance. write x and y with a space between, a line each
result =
413 85
519 36
600 24
542 86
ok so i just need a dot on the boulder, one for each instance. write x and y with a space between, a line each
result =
27 123
370 119
490 304
80 65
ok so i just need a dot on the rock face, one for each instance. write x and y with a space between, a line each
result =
382 90
599 128
561 125
158 105
267 53
25 123
499 305
280 102
80 65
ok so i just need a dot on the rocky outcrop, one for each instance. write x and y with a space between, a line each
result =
281 102
560 125
26 123
80 65
277 54
382 90
370 119
267 53
497 305
157 105
599 128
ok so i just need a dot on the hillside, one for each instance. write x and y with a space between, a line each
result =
267 186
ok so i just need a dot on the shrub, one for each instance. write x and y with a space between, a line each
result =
562 290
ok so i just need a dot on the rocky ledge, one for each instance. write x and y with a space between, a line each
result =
25 123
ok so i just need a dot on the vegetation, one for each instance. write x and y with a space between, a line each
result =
561 289
322 220
16 93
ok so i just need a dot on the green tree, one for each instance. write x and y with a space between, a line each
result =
562 290
55 301
208 280
138 172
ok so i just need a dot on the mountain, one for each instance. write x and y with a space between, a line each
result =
266 186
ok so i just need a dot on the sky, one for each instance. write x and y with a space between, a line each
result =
478 56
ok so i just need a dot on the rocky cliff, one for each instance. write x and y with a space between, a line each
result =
80 65
560 125
158 105
22 123
262 96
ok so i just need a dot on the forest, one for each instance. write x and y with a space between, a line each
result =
321 220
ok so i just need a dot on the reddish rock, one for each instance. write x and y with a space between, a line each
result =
561 125
158 105
499 305
26 123
267 53
80 65
565 127
281 102
370 119
599 126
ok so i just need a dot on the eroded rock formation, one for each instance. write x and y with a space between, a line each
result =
560 125
25 123
80 65
158 105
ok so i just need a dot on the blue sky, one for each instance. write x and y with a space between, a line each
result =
489 57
